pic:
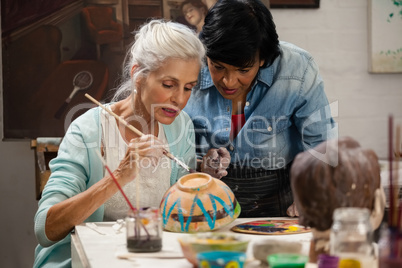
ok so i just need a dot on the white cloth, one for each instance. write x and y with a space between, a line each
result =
153 181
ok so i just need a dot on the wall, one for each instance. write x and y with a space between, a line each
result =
17 200
336 34
17 178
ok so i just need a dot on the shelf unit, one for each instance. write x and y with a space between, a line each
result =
139 11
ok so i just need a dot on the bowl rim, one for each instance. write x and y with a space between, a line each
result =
238 254
182 180
194 238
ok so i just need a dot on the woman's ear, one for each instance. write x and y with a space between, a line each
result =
262 62
139 81
133 70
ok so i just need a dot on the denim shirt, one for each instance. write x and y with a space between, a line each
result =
286 112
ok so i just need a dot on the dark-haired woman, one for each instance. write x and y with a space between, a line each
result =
260 99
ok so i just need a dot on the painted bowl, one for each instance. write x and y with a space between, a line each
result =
198 202
192 244
221 259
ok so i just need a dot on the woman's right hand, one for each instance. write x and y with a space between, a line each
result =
62 217
146 150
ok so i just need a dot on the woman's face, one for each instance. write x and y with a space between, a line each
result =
193 15
233 82
165 92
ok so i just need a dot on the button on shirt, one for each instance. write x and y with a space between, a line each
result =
286 112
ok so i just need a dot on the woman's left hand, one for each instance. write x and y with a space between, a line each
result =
292 211
215 162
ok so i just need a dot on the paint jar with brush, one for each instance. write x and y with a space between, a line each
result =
390 242
144 230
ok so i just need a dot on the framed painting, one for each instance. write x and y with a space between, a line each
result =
385 36
294 3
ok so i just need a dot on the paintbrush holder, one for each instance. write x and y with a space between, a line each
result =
144 230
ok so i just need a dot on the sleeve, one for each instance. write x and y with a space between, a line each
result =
313 117
189 154
181 139
69 176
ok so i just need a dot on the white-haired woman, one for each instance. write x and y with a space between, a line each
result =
160 71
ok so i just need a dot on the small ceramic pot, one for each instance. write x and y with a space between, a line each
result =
198 202
192 244
221 259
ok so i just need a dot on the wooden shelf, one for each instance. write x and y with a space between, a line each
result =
139 11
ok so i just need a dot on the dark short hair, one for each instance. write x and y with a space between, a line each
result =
235 30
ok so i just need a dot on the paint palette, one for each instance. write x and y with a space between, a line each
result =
271 227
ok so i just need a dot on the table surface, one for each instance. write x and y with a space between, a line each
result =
104 247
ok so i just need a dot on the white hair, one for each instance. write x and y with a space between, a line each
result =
154 43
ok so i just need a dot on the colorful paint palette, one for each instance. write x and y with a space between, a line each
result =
271 227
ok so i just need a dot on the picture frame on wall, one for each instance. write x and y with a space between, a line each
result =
294 3
385 38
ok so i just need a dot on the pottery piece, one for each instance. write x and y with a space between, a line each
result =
336 173
193 244
198 202
221 259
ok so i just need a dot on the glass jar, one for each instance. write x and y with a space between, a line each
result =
328 261
144 230
351 238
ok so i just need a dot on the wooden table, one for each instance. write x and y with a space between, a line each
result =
92 249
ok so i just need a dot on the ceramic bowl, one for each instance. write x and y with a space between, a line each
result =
198 202
221 259
192 244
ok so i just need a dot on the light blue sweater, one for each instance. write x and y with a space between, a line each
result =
77 167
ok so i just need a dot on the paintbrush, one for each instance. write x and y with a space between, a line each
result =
396 176
136 213
116 182
397 202
390 159
139 133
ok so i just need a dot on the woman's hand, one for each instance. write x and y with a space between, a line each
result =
62 217
292 211
215 162
144 151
